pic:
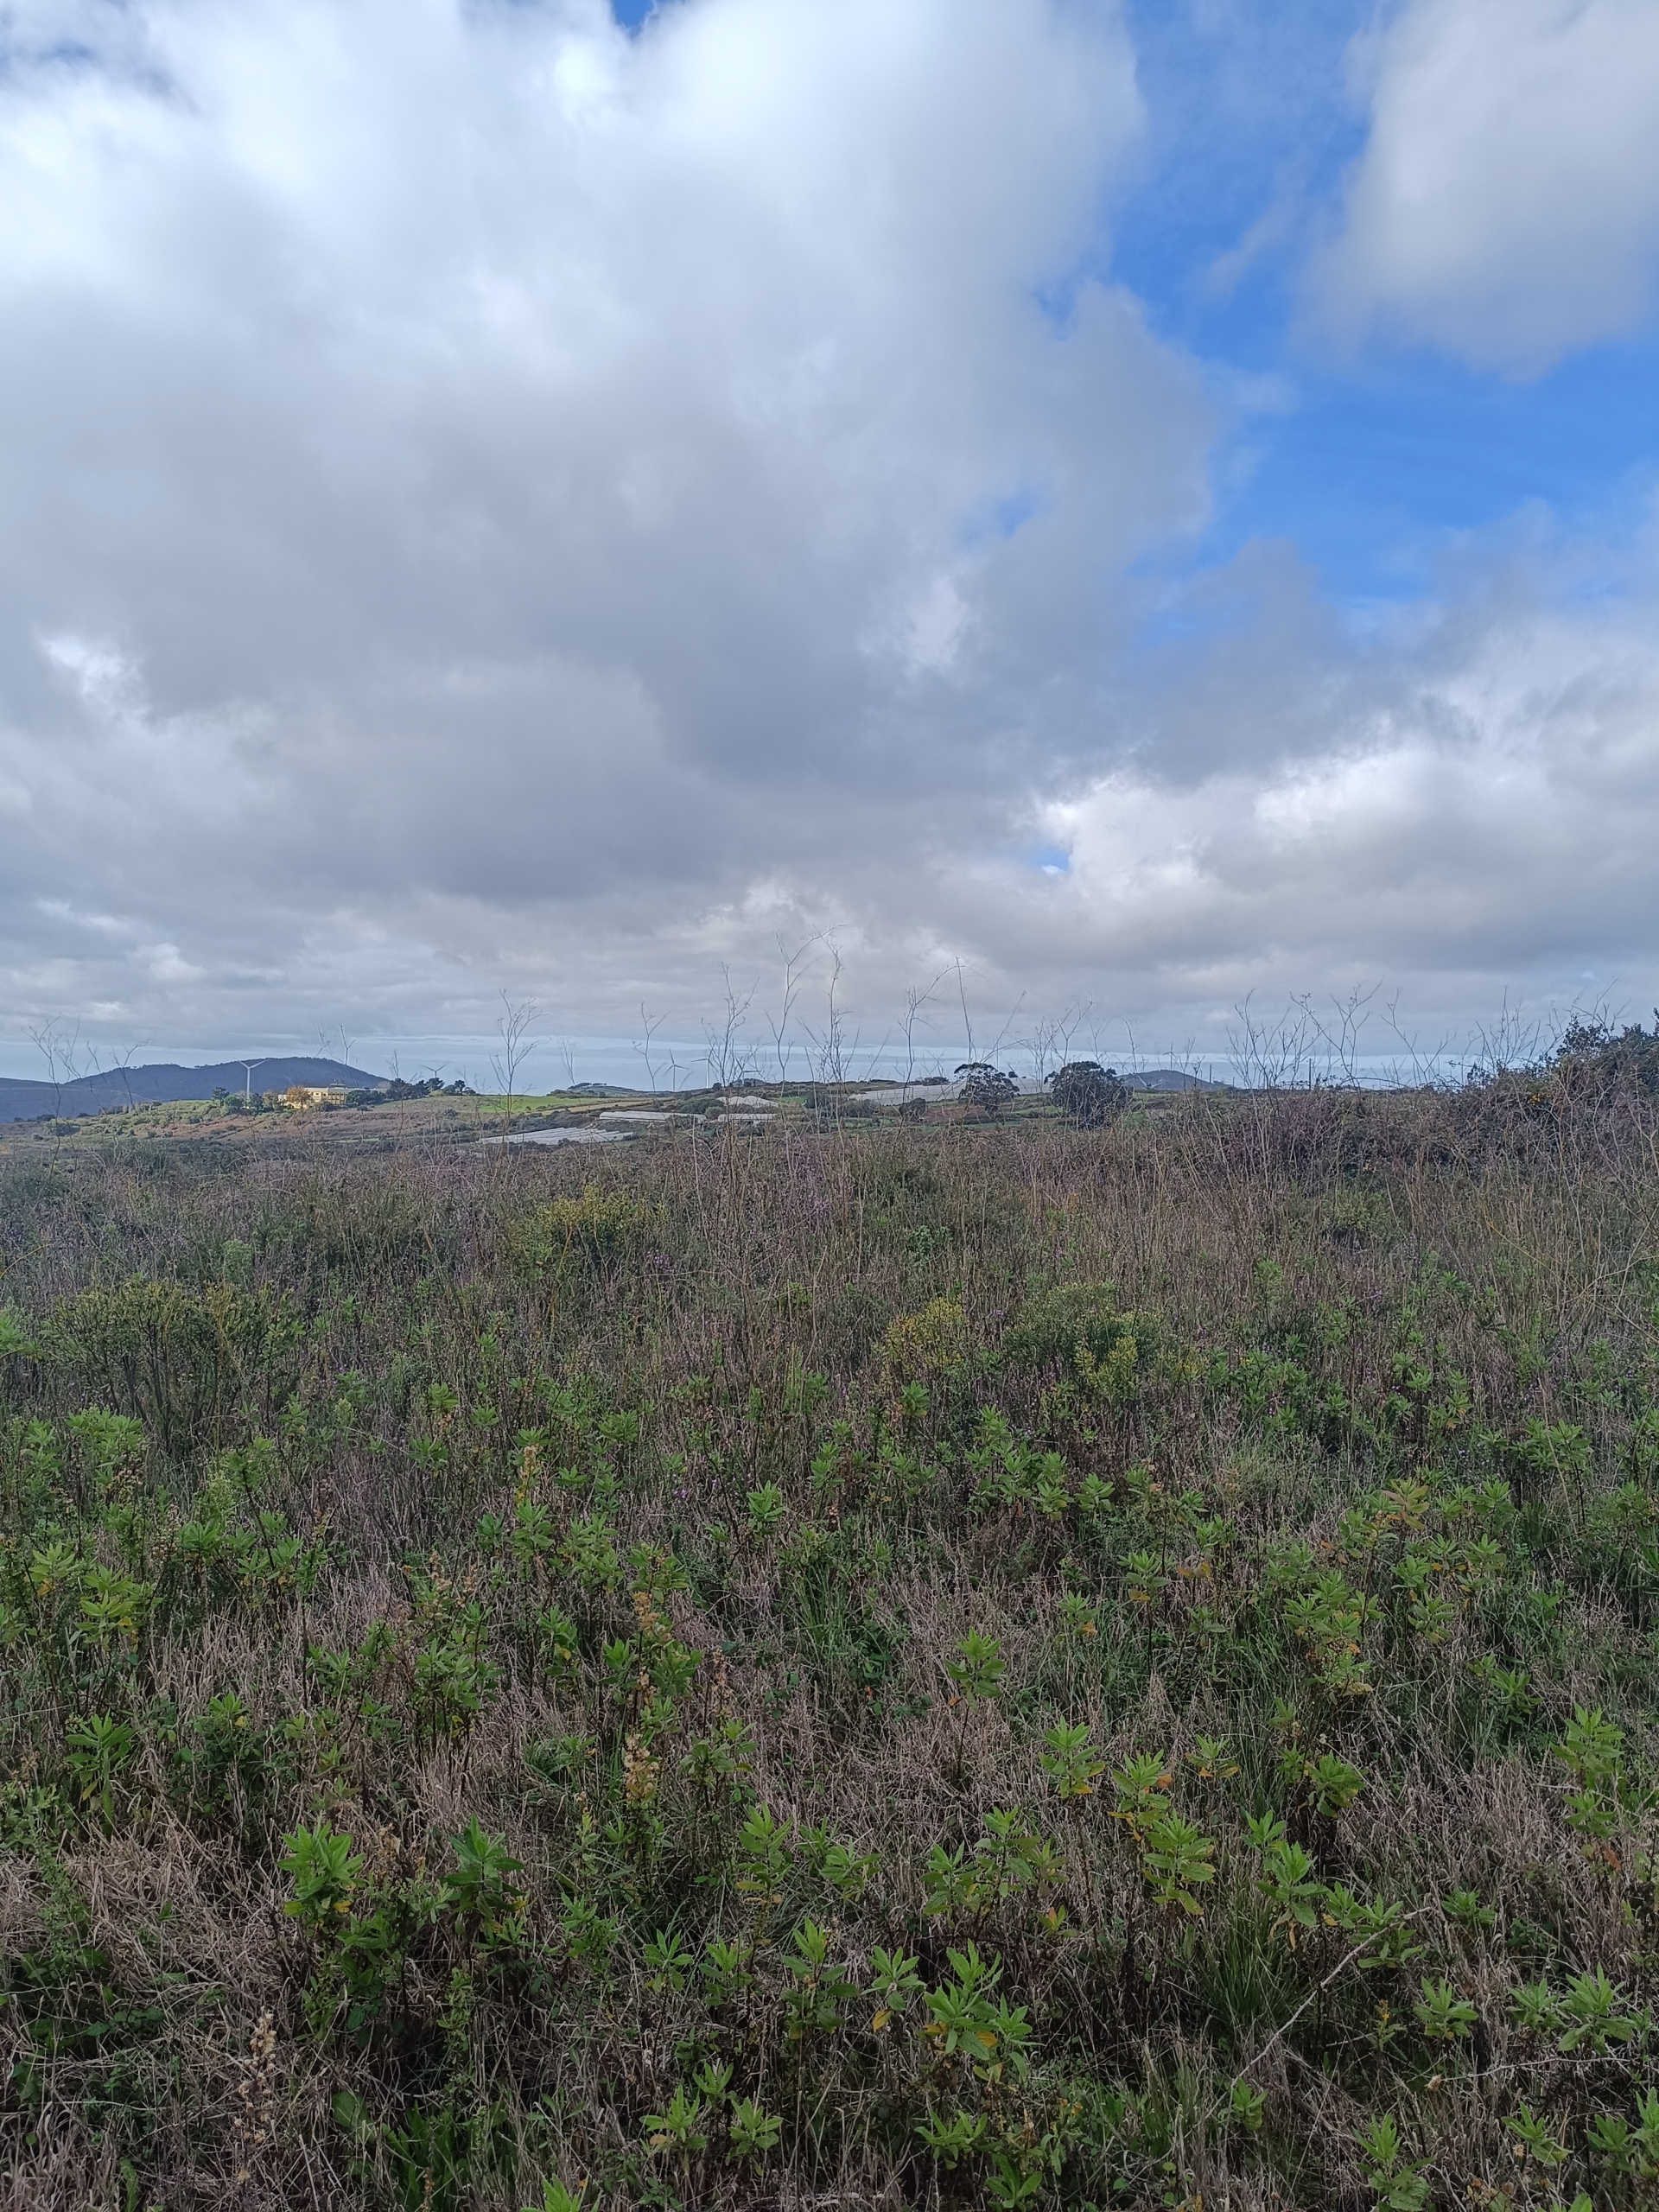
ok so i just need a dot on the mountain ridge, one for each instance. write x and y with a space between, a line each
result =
166 1083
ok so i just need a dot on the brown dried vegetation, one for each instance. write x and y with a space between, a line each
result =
874 1666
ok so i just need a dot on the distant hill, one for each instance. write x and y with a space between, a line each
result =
1169 1079
118 1089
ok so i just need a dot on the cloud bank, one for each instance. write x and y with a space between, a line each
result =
1506 207
492 502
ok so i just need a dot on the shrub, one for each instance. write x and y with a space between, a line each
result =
1088 1095
1079 1326
1593 1056
174 1356
932 1342
597 1228
986 1090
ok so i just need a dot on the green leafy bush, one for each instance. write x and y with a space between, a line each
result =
1087 1095
1081 1327
596 1229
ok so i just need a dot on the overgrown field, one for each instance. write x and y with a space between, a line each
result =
897 1666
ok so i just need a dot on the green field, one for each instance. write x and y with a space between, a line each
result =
838 1664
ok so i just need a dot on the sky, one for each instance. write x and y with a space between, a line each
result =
1065 512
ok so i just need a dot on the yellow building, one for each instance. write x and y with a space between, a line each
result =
300 1095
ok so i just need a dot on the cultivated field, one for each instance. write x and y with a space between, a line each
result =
835 1663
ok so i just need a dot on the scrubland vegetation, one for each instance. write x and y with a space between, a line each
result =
890 1666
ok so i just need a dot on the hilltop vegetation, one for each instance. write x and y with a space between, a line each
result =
125 1089
853 1664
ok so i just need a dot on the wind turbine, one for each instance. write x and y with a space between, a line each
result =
248 1067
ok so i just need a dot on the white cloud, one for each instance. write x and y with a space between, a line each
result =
478 477
488 502
1506 205
1481 811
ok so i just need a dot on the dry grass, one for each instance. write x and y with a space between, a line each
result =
1327 1297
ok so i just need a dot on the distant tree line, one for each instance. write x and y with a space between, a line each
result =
384 1094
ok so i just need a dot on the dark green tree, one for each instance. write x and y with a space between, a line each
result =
1088 1094
986 1087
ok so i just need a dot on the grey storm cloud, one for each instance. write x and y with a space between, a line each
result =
488 500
